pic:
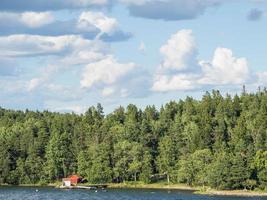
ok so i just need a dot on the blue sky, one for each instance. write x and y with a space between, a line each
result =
69 55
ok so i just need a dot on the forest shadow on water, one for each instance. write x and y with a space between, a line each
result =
31 193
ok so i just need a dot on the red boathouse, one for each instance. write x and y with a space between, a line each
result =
75 179
71 180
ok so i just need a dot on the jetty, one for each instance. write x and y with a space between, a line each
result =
75 181
87 187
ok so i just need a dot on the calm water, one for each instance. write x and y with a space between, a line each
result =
13 193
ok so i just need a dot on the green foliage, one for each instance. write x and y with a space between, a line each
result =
260 164
99 170
217 141
146 168
194 169
167 156
219 171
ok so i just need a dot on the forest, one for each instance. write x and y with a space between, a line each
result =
218 141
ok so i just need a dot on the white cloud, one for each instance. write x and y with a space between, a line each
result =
64 56
179 66
103 23
89 25
164 83
107 71
83 57
35 45
34 19
102 69
181 70
180 51
29 19
225 69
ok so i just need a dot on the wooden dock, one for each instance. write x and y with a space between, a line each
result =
87 187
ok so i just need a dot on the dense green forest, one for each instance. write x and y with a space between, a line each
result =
216 141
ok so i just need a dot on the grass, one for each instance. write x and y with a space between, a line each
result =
247 193
159 185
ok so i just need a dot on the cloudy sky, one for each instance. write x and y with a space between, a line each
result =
67 55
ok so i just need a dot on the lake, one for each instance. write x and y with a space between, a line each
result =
17 193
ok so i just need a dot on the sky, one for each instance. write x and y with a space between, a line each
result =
68 55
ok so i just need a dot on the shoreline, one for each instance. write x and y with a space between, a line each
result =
194 190
157 186
237 193
152 186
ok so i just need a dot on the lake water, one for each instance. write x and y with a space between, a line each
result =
15 193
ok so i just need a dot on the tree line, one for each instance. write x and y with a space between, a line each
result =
217 141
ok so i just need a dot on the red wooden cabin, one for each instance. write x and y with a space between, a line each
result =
74 179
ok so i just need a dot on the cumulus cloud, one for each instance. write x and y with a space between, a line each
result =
43 5
169 9
102 70
58 54
179 59
116 79
107 71
225 68
164 83
79 53
63 48
180 54
255 14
